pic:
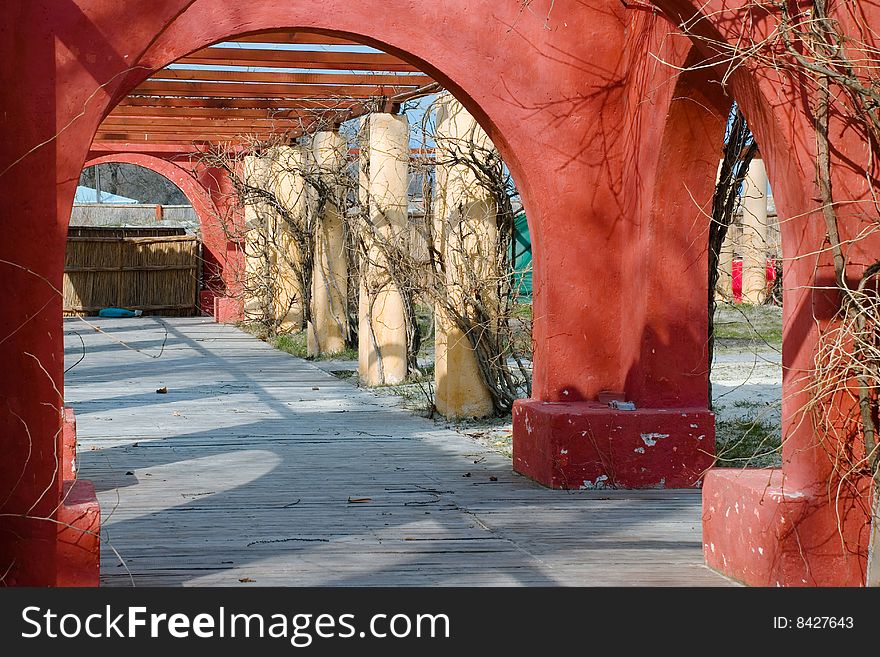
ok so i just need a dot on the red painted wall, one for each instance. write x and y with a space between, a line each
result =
595 134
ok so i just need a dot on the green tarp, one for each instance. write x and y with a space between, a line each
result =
522 257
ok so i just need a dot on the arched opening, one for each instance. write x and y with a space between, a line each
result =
201 188
234 168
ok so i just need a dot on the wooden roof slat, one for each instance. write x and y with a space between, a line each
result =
234 90
235 103
210 112
208 125
175 138
171 124
354 61
291 78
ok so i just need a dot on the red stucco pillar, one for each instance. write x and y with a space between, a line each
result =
805 524
222 235
620 302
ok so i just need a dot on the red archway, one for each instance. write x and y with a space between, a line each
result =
204 189
577 111
197 195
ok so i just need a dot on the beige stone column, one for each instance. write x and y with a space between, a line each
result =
724 288
382 339
364 346
465 225
754 233
329 327
290 190
258 258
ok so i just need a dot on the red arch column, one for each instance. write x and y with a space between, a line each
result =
629 407
806 523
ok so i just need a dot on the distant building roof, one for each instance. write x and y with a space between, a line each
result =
90 195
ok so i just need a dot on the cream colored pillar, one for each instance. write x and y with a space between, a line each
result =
258 258
724 288
364 346
465 222
754 233
329 327
382 340
290 190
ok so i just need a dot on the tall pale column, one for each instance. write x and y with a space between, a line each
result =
754 233
465 225
382 340
329 326
258 302
364 346
724 288
290 190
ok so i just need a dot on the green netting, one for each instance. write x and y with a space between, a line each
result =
522 257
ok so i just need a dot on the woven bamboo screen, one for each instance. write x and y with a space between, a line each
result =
153 270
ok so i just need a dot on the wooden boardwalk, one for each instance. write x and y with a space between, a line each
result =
256 468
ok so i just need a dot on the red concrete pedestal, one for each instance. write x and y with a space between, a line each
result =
79 534
589 445
68 444
78 544
228 310
761 532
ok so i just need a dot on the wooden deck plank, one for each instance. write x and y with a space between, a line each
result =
245 469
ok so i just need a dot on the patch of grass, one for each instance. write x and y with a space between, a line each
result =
745 322
291 343
296 344
416 394
748 442
256 329
521 311
747 403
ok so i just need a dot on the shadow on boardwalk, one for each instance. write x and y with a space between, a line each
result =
257 466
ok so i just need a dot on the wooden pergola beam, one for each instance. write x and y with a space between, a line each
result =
209 126
242 127
219 113
264 58
235 90
246 76
235 103
182 138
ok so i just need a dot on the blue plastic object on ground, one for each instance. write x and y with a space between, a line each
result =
119 312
